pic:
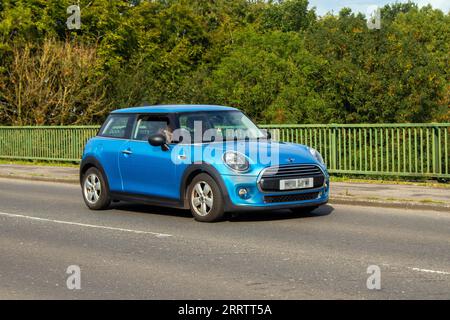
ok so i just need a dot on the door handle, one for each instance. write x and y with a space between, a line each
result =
127 152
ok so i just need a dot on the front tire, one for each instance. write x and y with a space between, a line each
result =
95 190
205 199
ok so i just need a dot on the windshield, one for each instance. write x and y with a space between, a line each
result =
218 126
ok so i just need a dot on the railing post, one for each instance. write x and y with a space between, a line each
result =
334 147
436 153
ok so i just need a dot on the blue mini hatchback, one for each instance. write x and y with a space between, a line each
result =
209 159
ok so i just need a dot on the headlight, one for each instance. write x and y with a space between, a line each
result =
236 161
316 154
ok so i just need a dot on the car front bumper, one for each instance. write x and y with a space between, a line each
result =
256 199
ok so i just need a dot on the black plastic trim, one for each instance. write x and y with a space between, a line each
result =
150 200
92 161
203 167
183 202
235 208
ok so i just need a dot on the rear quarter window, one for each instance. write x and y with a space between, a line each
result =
117 126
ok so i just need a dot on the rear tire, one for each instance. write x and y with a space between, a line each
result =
95 190
205 199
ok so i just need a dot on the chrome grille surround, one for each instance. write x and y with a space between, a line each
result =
292 171
296 170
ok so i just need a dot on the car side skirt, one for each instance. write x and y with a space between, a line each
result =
149 200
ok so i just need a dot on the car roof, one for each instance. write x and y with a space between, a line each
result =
174 108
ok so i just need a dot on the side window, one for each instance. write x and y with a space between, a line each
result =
192 122
188 122
150 125
117 126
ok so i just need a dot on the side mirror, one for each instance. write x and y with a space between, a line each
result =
268 135
158 140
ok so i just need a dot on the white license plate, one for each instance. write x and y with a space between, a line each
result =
293 184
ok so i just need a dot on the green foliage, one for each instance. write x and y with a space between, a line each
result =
396 74
276 60
288 16
54 84
269 76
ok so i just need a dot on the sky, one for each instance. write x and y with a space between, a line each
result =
323 6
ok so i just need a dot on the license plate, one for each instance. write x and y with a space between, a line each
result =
292 184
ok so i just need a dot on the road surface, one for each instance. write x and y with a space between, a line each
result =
141 252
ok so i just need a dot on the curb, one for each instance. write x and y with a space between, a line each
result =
390 204
42 179
333 199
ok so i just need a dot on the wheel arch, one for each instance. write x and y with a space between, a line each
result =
91 162
195 169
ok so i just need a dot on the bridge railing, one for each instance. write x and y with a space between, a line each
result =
376 149
49 143
420 150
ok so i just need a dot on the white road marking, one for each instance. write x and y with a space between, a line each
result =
429 271
157 234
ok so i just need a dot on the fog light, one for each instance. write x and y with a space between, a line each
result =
243 193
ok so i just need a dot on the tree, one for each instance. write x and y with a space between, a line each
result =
56 84
275 59
267 75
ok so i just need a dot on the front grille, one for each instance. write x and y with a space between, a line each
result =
270 180
296 170
291 197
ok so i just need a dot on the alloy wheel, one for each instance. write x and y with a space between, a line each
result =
202 198
92 188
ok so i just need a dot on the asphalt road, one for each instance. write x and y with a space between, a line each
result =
141 252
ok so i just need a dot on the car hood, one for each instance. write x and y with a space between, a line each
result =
261 154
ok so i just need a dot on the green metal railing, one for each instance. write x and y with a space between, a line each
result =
56 143
420 150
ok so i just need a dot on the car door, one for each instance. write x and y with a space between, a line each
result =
113 136
145 169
